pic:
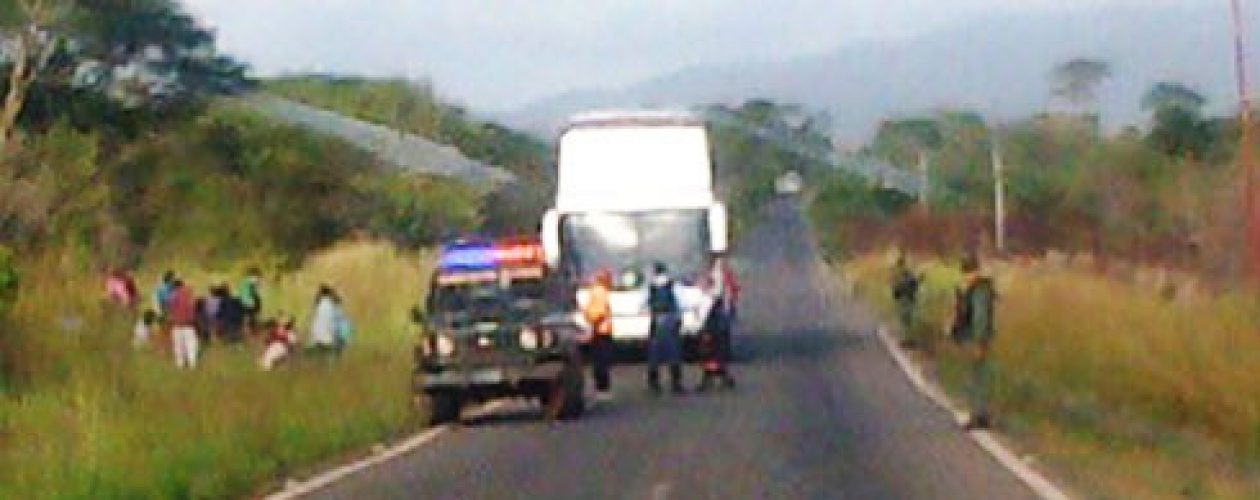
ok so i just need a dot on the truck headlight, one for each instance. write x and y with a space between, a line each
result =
529 339
444 345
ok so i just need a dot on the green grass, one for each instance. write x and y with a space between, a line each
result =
1130 393
101 420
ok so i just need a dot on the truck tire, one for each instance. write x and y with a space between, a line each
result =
570 387
444 407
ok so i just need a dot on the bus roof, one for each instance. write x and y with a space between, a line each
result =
634 117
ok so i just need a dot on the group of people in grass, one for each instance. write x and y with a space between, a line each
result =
182 323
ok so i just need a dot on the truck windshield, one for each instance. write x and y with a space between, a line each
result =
634 240
520 294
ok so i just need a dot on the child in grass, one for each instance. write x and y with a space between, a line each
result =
281 338
144 329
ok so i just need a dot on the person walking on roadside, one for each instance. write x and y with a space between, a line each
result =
905 290
598 314
250 296
327 315
973 329
665 340
183 319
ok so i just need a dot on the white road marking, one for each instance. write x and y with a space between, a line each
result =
324 479
985 439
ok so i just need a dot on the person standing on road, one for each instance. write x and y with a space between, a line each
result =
664 341
598 314
905 290
183 318
973 329
715 338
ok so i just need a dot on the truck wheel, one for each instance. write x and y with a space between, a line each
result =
570 388
444 407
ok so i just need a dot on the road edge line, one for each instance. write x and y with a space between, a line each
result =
1035 480
295 490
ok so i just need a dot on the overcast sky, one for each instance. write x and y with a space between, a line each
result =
499 54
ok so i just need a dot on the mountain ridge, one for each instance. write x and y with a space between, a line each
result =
999 65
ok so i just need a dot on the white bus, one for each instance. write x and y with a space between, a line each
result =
635 188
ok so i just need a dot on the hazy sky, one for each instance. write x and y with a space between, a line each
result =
498 54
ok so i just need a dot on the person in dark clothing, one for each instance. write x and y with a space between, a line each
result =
715 333
230 316
204 321
973 329
665 341
905 290
715 348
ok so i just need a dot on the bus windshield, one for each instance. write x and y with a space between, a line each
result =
633 241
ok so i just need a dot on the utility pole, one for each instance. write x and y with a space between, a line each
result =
999 200
1247 145
924 186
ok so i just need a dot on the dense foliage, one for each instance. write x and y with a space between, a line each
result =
1161 191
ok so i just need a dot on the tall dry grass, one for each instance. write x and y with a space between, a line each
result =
98 419
1158 395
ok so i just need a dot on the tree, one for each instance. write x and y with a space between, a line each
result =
1077 81
25 25
1178 127
107 62
908 140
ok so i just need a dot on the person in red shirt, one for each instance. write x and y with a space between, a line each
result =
122 289
281 337
183 319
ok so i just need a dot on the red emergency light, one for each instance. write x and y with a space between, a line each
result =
519 253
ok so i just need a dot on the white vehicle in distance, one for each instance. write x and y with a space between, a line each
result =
789 183
635 188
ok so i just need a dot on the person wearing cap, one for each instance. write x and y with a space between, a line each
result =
664 342
973 329
598 314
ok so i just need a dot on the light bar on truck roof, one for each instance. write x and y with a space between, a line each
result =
489 256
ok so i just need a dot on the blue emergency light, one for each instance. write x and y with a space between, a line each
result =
488 256
468 257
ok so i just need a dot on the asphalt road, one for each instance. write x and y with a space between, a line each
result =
821 411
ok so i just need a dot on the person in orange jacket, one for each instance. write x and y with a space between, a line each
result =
598 314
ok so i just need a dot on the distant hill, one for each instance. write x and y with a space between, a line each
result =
998 65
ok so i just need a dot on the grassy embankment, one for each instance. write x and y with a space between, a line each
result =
1126 391
124 423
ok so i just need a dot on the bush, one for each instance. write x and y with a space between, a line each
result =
107 421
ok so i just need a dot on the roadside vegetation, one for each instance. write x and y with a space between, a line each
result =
99 419
1125 331
1135 384
124 162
